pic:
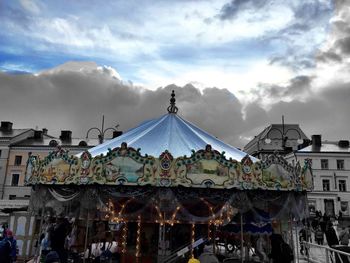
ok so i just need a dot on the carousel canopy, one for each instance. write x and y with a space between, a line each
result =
172 133
169 132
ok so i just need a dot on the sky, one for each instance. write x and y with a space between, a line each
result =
236 65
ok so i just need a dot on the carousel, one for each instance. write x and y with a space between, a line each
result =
162 189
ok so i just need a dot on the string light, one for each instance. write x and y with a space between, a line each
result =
124 237
209 230
193 232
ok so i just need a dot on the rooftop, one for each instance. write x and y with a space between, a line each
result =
12 133
326 146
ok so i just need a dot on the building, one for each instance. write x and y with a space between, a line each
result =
280 138
331 175
9 136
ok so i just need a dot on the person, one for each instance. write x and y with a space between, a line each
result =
260 249
5 250
303 237
319 236
52 257
281 252
2 232
58 238
208 256
331 235
13 253
193 260
344 237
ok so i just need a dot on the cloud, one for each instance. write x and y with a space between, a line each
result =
30 6
343 45
328 57
232 8
75 96
298 88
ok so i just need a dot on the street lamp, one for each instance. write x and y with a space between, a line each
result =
101 131
283 133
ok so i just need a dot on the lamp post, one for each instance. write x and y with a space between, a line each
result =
101 131
283 134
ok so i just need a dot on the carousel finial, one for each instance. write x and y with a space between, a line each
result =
172 108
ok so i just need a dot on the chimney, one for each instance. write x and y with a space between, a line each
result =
66 135
343 144
38 135
316 142
44 131
306 143
117 134
6 126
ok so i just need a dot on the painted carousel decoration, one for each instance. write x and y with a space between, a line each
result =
205 168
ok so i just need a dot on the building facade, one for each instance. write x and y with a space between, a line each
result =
8 137
331 175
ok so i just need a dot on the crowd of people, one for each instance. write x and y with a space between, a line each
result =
323 231
65 239
62 238
8 245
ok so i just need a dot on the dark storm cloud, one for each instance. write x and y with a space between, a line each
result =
296 87
328 56
231 9
343 45
76 100
325 112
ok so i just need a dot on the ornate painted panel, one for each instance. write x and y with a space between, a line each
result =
205 168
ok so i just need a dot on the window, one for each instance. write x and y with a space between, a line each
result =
12 197
340 164
15 179
18 160
324 164
342 185
326 185
0 153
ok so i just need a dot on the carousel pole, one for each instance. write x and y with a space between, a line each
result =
297 243
291 233
86 235
242 237
37 249
242 259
